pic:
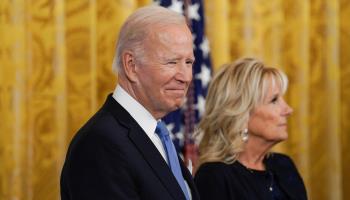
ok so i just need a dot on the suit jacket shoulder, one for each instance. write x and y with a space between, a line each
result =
111 157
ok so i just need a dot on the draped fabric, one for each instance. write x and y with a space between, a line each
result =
55 71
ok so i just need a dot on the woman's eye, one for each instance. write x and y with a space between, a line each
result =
274 100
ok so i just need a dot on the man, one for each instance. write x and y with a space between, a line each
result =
117 154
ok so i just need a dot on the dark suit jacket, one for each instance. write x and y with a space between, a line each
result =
111 157
230 182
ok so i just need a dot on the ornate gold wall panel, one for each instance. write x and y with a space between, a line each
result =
325 101
344 65
55 59
55 71
295 62
217 15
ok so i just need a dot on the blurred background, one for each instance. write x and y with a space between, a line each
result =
55 72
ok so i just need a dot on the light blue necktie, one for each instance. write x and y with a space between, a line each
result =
173 160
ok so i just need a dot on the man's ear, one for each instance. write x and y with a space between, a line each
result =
129 66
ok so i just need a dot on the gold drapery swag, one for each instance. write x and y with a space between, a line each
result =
55 72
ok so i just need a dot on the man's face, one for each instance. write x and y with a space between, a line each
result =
165 71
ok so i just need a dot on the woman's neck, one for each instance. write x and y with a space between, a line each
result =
253 154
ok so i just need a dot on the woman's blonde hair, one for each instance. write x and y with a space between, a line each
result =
234 92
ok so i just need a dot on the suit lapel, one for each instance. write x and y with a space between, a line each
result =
156 161
146 148
188 177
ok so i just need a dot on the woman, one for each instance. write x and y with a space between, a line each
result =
245 117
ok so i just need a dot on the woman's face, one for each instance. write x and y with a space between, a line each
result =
268 120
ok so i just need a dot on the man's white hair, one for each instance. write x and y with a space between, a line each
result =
137 27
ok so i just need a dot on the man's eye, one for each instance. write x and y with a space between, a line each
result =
172 62
189 62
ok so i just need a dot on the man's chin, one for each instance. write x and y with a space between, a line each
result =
176 105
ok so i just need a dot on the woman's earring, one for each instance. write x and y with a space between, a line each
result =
245 135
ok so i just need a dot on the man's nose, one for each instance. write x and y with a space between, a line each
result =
184 73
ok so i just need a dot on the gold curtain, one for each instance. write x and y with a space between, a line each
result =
55 71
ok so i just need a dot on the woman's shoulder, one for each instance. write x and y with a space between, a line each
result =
212 168
217 171
213 181
279 159
277 155
286 171
281 164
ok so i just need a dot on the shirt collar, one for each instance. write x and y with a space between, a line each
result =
144 118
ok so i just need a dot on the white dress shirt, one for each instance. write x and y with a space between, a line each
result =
141 116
